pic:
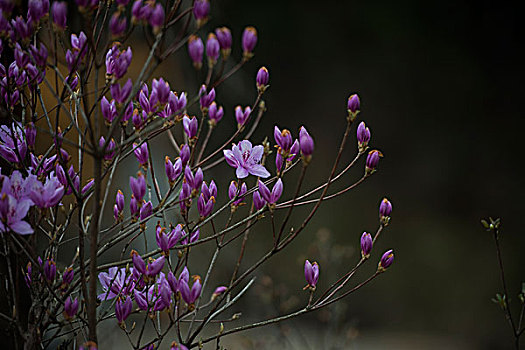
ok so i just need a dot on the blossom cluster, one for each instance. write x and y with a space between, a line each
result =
65 149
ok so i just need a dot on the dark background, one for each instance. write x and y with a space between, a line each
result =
441 86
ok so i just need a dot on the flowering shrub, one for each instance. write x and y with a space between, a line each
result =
62 153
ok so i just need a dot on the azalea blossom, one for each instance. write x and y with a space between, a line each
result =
246 159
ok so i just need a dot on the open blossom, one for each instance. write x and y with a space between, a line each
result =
47 195
115 282
246 159
12 143
12 213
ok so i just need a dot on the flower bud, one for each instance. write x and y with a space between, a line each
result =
215 113
372 161
224 36
70 308
212 49
59 14
156 19
123 308
261 81
117 25
258 202
353 106
196 50
201 9
306 143
311 274
385 209
241 116
366 245
249 40
363 137
386 260
141 153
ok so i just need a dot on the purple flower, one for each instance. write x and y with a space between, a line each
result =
156 20
70 308
190 295
249 39
138 186
146 210
193 237
206 98
117 25
191 126
167 241
117 62
141 299
185 153
363 136
17 186
283 139
164 294
215 114
142 154
258 201
176 103
279 162
30 131
67 277
13 147
155 266
121 94
47 195
246 159
311 273
224 36
123 308
115 282
261 81
366 245
196 50
119 200
306 142
372 161
173 171
241 116
234 192
385 209
205 206
177 346
110 148
201 9
161 89
273 196
212 49
353 106
109 110
50 270
218 291
386 260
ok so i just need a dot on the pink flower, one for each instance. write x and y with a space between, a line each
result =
246 159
